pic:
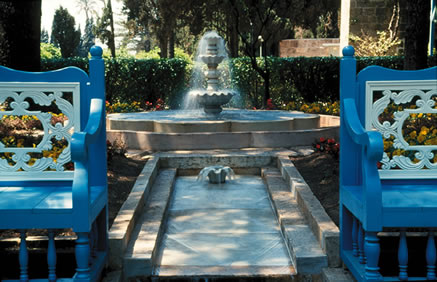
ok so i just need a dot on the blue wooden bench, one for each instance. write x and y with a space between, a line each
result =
388 173
60 182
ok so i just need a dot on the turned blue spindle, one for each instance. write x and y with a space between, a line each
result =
93 241
355 236
372 250
23 257
403 256
51 256
361 254
430 257
82 257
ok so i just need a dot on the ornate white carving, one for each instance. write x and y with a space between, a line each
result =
402 92
44 94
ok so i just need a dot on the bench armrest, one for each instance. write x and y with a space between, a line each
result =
373 150
80 140
372 140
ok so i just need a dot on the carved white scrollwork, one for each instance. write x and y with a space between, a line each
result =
423 94
43 94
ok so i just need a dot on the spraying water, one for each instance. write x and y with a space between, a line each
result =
211 78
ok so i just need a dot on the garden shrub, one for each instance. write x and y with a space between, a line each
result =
314 79
129 80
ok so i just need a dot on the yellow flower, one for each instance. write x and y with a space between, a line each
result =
413 134
420 115
424 130
421 138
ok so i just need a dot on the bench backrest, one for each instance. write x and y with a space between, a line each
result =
57 104
402 105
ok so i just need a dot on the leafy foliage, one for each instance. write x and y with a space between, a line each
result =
104 28
64 34
293 79
49 51
88 39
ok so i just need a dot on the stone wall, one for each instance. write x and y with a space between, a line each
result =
373 15
318 47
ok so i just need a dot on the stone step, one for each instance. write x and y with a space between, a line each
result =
142 248
305 250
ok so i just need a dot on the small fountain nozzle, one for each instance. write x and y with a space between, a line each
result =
216 174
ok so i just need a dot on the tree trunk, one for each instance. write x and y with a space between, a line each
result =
163 45
23 35
111 43
416 34
171 44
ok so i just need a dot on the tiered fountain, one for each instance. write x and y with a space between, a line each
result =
212 98
214 127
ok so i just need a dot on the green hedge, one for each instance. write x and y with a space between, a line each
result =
129 80
291 79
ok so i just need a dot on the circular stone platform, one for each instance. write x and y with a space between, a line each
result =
229 120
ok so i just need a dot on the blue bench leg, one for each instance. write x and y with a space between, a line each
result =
403 256
431 256
51 256
372 250
23 257
82 257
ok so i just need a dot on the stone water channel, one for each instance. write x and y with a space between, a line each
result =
265 225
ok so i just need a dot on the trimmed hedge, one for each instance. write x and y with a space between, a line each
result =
300 78
129 80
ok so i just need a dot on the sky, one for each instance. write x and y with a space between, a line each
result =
48 8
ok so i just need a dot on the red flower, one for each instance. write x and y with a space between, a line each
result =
331 141
318 146
322 139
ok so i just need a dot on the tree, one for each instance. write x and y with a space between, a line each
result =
88 6
416 33
64 34
44 36
159 17
105 27
20 23
88 39
261 24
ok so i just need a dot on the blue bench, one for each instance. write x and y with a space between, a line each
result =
60 180
388 173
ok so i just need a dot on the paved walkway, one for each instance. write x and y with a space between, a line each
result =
222 229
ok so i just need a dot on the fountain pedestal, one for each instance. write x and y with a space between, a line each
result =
212 98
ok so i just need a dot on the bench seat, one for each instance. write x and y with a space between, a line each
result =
43 206
399 202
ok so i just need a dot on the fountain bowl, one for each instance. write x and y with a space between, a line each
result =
211 101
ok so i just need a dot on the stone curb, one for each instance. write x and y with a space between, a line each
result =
124 223
152 141
325 230
304 248
143 247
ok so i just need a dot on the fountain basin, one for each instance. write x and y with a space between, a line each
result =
227 121
200 132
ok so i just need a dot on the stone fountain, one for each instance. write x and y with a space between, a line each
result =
214 128
212 54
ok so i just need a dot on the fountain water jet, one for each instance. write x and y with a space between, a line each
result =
216 174
211 52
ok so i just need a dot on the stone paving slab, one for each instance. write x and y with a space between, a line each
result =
241 193
224 249
221 221
212 229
